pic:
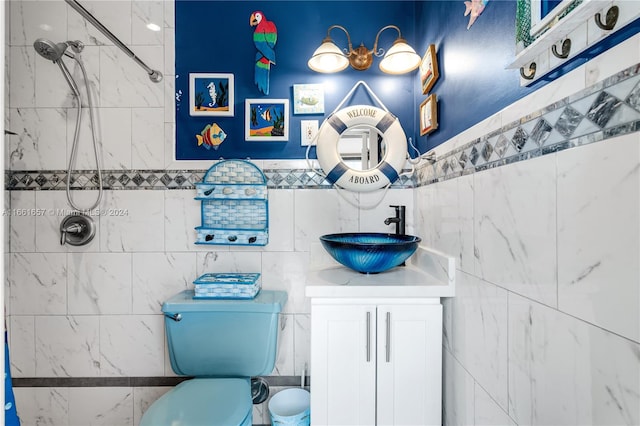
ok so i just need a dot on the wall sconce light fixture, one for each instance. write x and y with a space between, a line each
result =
399 59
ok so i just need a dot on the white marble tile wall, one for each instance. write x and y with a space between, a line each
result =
553 354
514 228
595 277
544 326
130 109
479 333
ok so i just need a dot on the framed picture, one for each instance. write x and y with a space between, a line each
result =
266 120
428 69
308 99
428 115
211 94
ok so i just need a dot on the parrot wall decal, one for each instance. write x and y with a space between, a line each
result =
264 38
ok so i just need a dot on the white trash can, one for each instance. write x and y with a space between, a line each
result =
291 407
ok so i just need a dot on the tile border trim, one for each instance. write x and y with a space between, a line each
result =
607 109
44 180
93 382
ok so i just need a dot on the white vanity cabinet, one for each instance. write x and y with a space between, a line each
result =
376 361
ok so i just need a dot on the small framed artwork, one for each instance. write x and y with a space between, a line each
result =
428 69
211 94
428 115
266 120
308 99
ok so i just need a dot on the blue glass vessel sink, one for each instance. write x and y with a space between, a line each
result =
370 252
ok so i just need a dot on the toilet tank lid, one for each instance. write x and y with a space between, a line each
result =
269 301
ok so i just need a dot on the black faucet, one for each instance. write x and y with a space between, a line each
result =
399 219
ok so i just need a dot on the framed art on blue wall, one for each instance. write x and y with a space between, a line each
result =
211 94
308 99
428 69
428 115
266 120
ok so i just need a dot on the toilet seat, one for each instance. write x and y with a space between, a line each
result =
203 401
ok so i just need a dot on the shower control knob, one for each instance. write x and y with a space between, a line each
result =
77 230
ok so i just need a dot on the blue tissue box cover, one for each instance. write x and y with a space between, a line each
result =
227 286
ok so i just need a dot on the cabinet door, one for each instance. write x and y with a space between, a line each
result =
343 363
409 364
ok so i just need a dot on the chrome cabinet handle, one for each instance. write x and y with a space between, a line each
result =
368 336
388 336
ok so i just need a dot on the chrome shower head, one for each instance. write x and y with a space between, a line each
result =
54 52
50 50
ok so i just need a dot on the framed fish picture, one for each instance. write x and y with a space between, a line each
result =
308 99
266 120
211 94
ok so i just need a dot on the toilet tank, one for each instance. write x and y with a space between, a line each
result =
223 338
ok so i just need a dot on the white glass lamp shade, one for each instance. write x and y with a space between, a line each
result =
400 59
328 58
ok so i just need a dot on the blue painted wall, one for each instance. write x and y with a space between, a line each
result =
215 36
473 82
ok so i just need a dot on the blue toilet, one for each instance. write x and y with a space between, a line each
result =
222 344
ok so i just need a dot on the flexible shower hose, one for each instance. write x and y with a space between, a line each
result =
76 135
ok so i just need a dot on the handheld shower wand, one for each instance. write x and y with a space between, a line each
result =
54 52
50 50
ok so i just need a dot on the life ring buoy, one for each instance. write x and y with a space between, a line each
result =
386 172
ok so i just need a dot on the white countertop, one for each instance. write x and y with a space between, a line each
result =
428 274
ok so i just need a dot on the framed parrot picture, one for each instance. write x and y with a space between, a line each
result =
211 94
267 120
